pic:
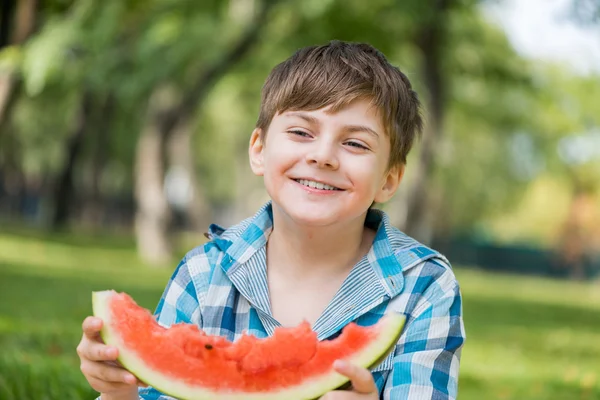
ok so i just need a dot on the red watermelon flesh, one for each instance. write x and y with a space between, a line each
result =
186 363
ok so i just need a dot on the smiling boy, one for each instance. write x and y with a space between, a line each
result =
335 127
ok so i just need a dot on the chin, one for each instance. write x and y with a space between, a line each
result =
311 216
307 214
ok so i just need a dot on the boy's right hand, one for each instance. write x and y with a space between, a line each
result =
100 366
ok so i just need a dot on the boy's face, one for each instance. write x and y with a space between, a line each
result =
322 168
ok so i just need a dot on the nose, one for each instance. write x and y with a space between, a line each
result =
323 155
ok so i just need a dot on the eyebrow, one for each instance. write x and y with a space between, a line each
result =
350 128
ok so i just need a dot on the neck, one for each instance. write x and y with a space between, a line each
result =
316 251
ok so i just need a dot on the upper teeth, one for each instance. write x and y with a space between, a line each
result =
316 185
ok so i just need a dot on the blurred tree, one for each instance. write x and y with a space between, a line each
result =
166 114
431 38
63 189
490 99
119 97
469 78
553 161
160 43
18 20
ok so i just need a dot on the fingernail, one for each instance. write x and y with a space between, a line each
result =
339 364
130 379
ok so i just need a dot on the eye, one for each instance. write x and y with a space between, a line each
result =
299 133
357 145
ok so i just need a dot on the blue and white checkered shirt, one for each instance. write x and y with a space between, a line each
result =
222 287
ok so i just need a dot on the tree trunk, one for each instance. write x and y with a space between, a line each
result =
188 196
93 208
25 18
23 24
17 23
63 192
153 217
420 213
8 7
8 91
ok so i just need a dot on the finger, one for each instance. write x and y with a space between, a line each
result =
361 379
95 351
107 373
105 387
92 326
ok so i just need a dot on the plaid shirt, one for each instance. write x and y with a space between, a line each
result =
222 287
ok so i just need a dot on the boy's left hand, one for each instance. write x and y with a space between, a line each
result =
363 385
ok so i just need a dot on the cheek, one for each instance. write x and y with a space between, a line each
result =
366 174
281 155
276 164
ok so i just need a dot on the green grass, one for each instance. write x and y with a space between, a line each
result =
45 288
530 338
527 338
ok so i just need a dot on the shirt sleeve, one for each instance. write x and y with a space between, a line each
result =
179 302
428 356
153 394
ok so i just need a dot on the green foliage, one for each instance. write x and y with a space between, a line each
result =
10 59
44 56
505 115
110 49
490 92
40 136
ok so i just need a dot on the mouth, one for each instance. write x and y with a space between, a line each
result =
317 185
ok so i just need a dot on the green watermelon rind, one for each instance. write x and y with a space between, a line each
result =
391 325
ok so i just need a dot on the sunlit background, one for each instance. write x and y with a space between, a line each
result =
124 128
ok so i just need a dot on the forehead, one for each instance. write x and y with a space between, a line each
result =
358 112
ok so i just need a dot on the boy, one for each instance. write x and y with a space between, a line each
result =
335 126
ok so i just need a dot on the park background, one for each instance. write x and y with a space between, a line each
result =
123 133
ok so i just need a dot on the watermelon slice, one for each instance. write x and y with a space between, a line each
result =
184 362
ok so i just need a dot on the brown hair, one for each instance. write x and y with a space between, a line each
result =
336 74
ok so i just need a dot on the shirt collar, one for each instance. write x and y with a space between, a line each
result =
242 241
377 277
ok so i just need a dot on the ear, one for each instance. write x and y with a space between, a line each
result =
255 152
390 184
